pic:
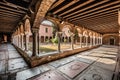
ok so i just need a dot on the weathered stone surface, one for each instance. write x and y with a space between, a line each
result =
2 55
55 64
96 73
2 66
61 62
44 68
23 75
96 54
51 75
106 63
16 63
74 68
87 59
14 54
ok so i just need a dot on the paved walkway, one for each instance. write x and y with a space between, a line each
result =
95 64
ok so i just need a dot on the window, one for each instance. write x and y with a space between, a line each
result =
46 30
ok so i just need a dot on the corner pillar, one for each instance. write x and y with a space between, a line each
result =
35 41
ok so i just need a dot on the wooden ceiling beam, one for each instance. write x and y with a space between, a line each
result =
85 3
102 27
95 22
56 4
13 6
64 7
99 15
10 12
9 15
95 9
117 6
79 11
13 10
97 18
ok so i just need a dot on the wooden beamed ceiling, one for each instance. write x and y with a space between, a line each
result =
97 15
11 13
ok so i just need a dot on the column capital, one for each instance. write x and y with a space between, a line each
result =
35 30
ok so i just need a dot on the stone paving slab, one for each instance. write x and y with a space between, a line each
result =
114 57
96 54
87 59
51 75
2 55
55 64
23 75
95 73
44 68
73 69
2 66
14 54
16 63
61 62
106 63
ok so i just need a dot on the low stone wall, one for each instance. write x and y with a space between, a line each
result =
35 61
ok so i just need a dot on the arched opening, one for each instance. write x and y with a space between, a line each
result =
48 40
78 37
66 34
28 36
112 41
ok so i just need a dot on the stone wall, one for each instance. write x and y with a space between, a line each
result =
107 37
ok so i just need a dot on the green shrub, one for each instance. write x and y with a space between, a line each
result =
54 40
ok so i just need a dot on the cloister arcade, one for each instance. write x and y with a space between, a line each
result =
87 38
59 39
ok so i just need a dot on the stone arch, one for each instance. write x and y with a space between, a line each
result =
22 28
56 25
27 27
79 30
41 11
106 39
90 34
85 33
67 29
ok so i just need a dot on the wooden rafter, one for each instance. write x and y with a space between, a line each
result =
100 11
79 11
85 3
100 14
110 15
10 9
69 4
57 3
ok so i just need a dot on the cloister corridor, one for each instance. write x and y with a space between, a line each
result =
100 62
59 39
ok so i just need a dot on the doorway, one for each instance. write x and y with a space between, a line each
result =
112 41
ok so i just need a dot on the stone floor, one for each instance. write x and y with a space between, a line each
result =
95 64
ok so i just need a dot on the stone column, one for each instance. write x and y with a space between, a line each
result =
86 41
22 41
19 41
90 41
38 39
96 40
59 40
81 41
35 41
26 41
93 41
72 41
101 40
